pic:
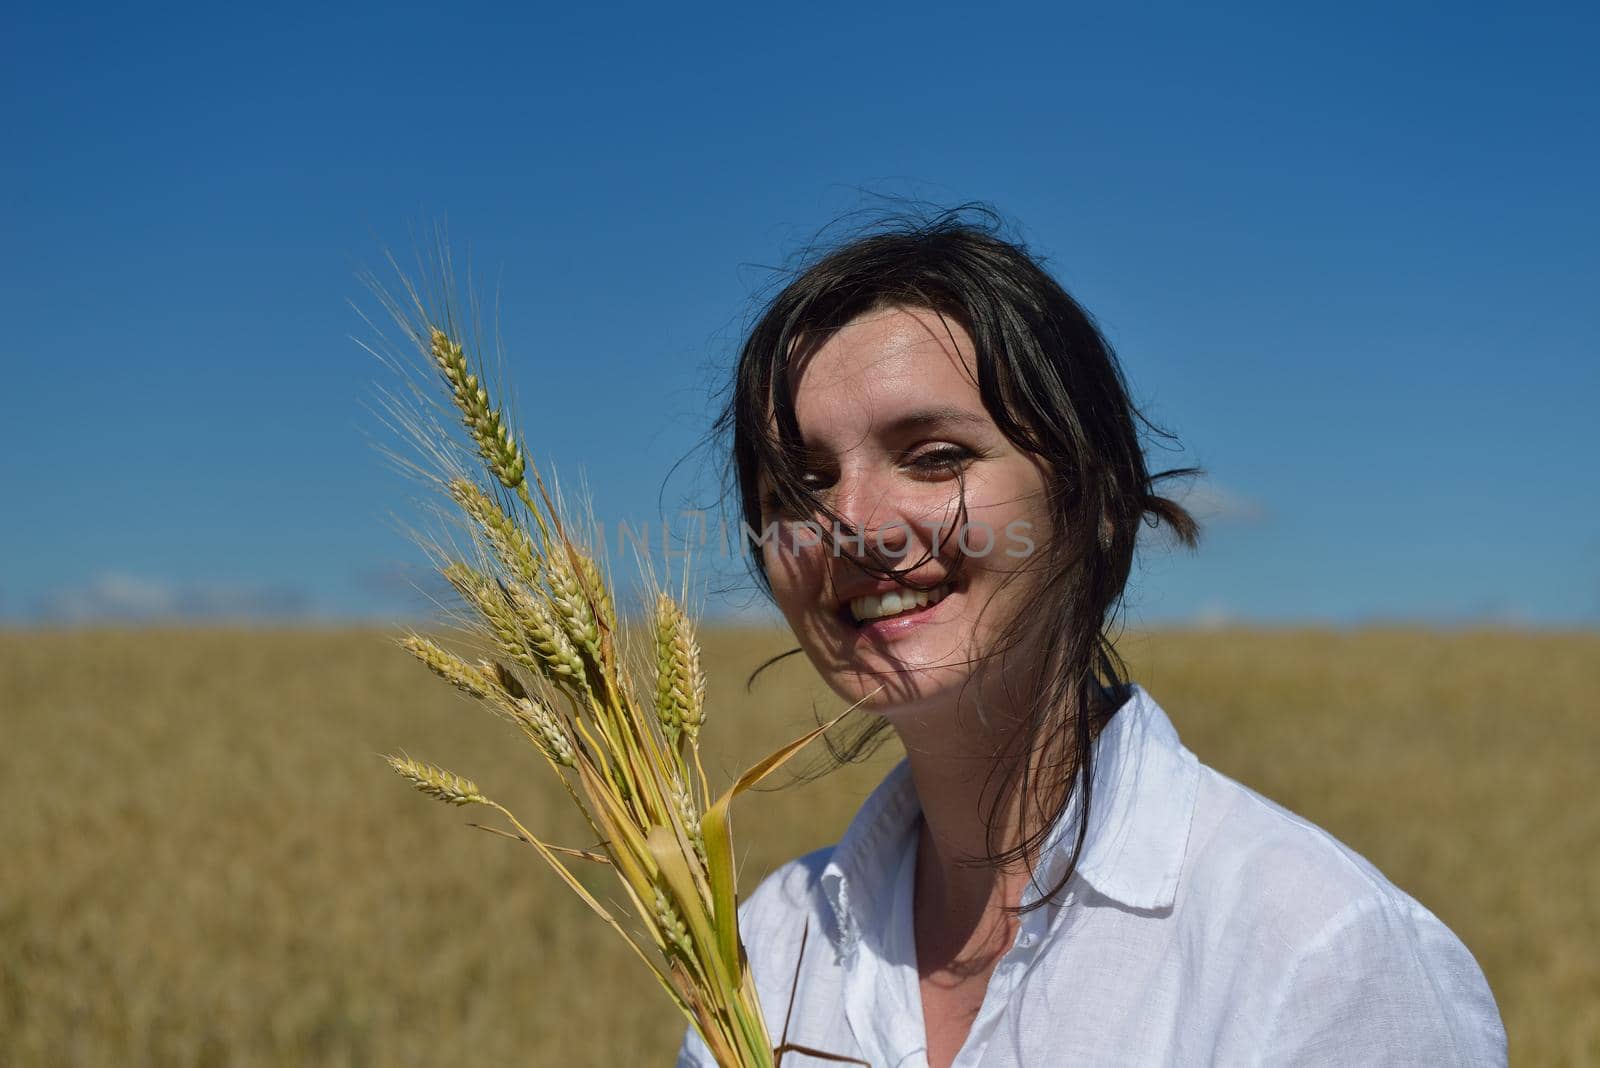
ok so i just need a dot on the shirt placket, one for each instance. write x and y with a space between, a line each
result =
882 1001
1031 932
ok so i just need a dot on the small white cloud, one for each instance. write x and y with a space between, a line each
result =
1212 502
744 606
1213 615
122 597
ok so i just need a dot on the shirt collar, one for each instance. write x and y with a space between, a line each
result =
1141 808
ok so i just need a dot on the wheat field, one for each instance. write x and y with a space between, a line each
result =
206 860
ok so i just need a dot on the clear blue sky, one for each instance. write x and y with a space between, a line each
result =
1349 256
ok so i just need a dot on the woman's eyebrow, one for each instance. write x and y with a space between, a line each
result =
941 415
918 420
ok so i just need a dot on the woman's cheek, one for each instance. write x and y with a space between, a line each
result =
794 584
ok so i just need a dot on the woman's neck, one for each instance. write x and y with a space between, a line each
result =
956 764
954 774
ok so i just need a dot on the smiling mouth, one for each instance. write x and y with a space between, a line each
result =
874 607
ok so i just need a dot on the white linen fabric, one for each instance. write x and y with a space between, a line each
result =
1204 925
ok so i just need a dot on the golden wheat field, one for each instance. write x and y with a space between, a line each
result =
207 862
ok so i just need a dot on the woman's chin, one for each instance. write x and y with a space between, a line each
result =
918 674
899 693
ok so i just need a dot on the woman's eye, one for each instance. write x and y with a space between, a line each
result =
941 460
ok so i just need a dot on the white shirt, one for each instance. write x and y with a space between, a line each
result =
1204 925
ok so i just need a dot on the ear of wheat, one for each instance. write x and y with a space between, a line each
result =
539 599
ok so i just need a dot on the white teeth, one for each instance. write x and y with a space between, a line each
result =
894 602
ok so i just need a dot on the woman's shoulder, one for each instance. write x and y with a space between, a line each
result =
1327 937
1289 872
1330 928
787 892
782 922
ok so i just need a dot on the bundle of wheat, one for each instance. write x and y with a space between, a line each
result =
540 601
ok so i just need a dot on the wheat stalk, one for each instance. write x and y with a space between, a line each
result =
680 682
512 545
436 782
496 444
449 667
537 597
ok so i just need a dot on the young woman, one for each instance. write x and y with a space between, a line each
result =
942 471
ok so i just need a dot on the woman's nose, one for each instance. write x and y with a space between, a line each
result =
871 520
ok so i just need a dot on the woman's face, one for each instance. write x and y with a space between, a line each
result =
893 423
